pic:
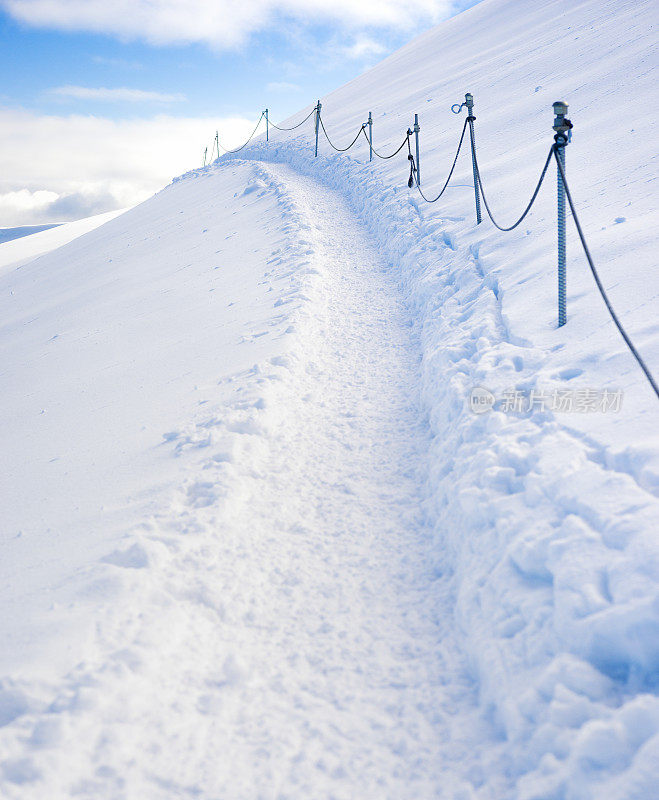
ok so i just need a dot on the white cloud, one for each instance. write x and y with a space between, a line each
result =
364 47
56 168
283 86
25 207
24 201
219 23
117 63
120 95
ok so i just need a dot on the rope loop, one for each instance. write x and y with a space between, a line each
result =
413 173
562 138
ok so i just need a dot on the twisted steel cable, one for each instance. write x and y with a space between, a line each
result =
450 175
391 155
331 144
480 183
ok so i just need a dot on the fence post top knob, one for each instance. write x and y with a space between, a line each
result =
469 100
561 124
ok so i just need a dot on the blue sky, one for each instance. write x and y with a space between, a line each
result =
211 82
103 102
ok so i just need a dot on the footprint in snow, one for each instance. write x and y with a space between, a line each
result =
201 494
135 557
20 770
13 704
254 186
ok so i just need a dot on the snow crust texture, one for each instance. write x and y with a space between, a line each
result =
298 565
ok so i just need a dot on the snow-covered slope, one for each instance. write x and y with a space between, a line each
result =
25 248
255 542
9 234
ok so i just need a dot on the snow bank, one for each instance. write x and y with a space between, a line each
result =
103 343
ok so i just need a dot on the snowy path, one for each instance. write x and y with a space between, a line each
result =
353 684
297 642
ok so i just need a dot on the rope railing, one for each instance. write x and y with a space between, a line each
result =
531 201
391 155
332 145
242 146
450 175
297 125
562 126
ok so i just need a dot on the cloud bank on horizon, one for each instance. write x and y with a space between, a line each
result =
93 164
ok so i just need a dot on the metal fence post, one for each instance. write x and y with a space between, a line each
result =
562 128
370 136
469 102
217 142
205 154
267 129
416 136
318 108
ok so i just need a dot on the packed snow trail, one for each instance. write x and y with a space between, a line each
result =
298 640
339 569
